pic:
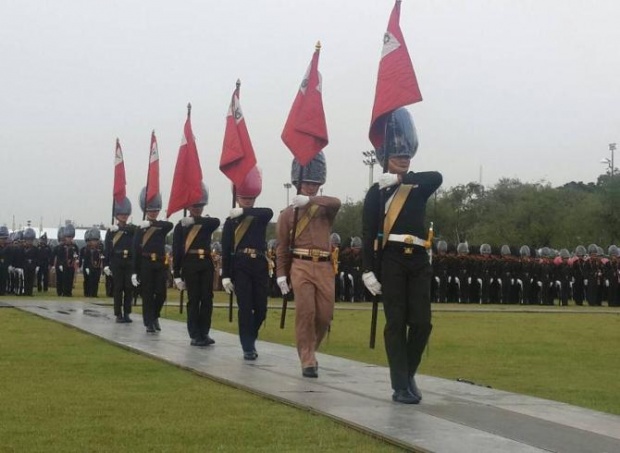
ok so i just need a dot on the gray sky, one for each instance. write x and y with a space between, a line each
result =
523 89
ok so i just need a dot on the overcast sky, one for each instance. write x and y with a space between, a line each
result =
526 89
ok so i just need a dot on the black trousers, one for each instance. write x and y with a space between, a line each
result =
4 279
68 275
152 289
198 277
122 289
406 283
91 282
43 278
251 280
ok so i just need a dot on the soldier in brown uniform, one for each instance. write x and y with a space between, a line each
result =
308 262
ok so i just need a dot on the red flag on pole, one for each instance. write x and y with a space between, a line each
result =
397 85
120 182
305 131
152 179
187 182
237 152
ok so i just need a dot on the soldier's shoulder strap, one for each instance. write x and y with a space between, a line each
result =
242 229
395 207
193 232
303 223
117 236
148 234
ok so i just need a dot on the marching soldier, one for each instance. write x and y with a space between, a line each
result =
149 261
335 241
91 258
4 259
309 262
193 268
44 260
30 253
405 268
245 269
65 261
118 260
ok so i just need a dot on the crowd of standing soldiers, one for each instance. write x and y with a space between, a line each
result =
528 277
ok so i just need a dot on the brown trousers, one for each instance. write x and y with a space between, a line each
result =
313 285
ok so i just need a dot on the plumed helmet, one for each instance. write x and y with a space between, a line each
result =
204 197
462 248
69 231
335 239
356 242
564 253
485 249
601 252
580 250
216 247
442 246
122 208
29 234
592 249
153 205
252 185
61 233
4 232
401 138
524 251
93 234
43 238
613 250
504 250
315 171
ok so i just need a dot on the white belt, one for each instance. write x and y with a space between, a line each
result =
408 239
312 252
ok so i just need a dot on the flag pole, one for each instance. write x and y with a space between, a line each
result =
232 238
148 177
189 114
117 145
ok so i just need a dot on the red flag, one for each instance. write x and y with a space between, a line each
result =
305 131
119 192
237 152
152 179
397 85
187 182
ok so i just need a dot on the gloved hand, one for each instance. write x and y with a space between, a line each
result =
60 268
113 228
134 280
187 221
284 289
107 271
144 224
387 180
371 283
299 201
179 283
19 271
469 280
236 212
585 282
36 270
228 286
87 271
539 284
11 268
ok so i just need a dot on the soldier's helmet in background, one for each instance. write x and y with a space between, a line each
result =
61 233
356 242
69 231
485 249
122 208
462 248
334 239
204 196
442 246
29 234
401 138
92 234
153 205
580 251
524 251
592 249
505 250
601 252
43 238
613 250
545 252
4 232
252 185
564 254
315 171
216 247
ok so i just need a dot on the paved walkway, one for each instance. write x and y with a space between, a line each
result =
453 417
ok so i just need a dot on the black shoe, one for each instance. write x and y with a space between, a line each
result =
198 342
209 341
251 355
150 328
310 372
413 388
156 325
127 318
405 397
120 319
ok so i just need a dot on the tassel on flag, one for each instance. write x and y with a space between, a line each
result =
187 182
119 191
305 131
397 85
237 152
152 179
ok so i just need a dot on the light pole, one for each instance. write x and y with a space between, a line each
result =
370 159
610 162
287 186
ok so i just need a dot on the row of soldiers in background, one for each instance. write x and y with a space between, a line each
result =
526 275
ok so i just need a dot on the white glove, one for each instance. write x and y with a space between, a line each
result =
19 271
107 271
539 284
479 280
388 180
284 289
299 201
371 282
60 268
187 221
134 280
113 228
236 212
437 280
469 280
87 271
179 283
607 283
144 224
585 282
11 268
36 270
457 281
227 284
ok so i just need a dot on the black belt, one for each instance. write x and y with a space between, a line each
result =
125 253
153 257
200 253
252 253
312 258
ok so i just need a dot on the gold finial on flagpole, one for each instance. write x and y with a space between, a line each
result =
318 45
189 109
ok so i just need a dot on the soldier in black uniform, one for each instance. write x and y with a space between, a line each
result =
66 258
193 268
613 275
30 260
245 269
55 260
149 261
118 260
44 260
91 260
405 268
4 259
440 272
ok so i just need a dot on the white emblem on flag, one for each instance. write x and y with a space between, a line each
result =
118 157
305 81
390 44
154 153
